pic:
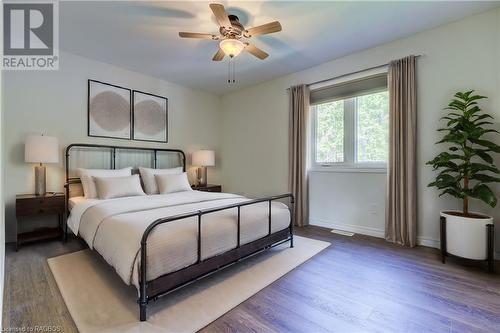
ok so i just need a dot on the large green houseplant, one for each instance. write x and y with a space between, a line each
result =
467 166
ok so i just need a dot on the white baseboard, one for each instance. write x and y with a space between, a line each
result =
429 242
358 229
369 231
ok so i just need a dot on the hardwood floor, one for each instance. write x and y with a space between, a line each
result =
359 284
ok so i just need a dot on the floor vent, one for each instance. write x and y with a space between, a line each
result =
342 232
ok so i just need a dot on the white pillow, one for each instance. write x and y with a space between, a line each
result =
148 177
117 187
88 184
173 183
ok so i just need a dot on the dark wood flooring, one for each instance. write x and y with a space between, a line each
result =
359 284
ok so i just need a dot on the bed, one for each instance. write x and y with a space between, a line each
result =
159 243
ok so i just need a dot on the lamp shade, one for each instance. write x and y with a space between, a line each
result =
41 149
203 158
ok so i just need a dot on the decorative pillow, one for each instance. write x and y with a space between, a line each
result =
148 177
117 187
88 184
173 183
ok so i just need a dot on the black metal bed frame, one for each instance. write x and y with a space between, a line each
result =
167 283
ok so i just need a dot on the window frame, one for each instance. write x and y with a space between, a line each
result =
350 141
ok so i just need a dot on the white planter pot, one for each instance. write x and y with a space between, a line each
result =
467 236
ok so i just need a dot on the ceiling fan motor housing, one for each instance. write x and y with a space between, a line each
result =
235 31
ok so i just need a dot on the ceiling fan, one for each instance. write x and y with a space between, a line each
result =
231 33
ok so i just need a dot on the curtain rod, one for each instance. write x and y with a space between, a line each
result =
347 74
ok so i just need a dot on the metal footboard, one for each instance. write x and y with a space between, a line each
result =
173 281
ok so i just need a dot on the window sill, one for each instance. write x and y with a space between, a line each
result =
349 170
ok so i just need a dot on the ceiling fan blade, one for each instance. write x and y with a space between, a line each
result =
197 35
254 50
267 28
219 55
220 15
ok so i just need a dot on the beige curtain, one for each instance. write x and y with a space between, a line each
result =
298 141
401 204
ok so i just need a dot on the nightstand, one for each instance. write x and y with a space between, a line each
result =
208 188
30 205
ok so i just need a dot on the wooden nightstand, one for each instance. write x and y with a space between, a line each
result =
33 205
208 188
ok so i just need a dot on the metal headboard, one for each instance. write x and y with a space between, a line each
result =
114 154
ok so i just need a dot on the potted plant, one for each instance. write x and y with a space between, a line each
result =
465 170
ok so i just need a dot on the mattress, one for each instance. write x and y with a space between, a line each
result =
114 228
74 201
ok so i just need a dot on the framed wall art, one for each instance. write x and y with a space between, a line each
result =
109 110
150 117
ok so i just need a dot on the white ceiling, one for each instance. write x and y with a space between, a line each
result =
143 36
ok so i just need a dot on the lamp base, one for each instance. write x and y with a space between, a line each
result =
202 176
40 188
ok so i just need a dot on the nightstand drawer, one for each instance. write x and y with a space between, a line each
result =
44 205
34 205
208 188
29 211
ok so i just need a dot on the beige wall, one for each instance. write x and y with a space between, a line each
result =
55 103
458 56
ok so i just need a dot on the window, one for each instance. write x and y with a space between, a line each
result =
372 128
330 132
351 131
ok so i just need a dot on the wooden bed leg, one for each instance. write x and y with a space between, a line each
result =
142 310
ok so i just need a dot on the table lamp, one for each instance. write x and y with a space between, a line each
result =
41 149
203 159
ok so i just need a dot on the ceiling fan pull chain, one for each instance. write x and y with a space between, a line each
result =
234 70
231 75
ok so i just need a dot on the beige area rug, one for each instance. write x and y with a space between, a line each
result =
99 301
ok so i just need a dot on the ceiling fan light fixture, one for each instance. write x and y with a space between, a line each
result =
231 47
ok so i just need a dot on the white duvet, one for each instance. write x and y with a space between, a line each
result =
115 227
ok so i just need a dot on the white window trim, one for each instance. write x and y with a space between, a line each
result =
349 164
348 169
